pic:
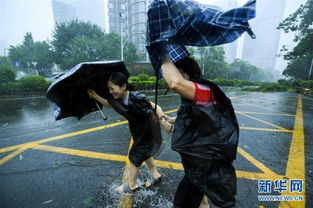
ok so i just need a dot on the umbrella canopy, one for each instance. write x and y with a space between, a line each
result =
180 23
69 91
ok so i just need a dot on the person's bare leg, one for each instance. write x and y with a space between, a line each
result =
152 167
133 172
204 202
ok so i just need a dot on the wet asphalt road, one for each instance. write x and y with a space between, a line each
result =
70 163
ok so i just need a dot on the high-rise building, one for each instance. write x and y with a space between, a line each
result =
65 11
229 48
262 51
137 25
117 17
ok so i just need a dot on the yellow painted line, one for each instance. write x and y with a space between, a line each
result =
126 199
257 176
169 165
170 111
265 101
17 152
271 114
262 121
239 173
296 160
260 106
159 163
12 155
55 138
122 158
265 129
82 153
12 148
254 161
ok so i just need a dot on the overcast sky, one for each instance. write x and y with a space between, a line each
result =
35 16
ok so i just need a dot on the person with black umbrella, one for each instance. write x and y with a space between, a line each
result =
144 127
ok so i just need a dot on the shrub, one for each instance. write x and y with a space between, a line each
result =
143 77
33 83
133 79
9 88
6 74
306 84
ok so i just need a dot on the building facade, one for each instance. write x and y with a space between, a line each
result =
65 11
117 17
262 51
137 25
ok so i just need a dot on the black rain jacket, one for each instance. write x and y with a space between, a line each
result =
146 131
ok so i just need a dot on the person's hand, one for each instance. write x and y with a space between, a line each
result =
91 93
171 120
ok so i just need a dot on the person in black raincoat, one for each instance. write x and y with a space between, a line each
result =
144 127
205 135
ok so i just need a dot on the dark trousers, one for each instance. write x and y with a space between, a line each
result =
187 195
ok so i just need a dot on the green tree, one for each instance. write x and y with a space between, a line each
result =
5 61
77 41
212 62
110 48
299 59
43 55
23 52
130 54
6 74
80 49
65 33
247 71
29 52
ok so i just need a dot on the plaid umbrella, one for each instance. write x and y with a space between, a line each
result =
186 22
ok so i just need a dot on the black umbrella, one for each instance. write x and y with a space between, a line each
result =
69 91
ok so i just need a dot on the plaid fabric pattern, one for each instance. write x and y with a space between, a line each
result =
175 53
185 22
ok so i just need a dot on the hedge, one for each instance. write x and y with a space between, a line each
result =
29 83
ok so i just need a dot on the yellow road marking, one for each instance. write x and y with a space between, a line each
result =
261 107
96 155
261 113
265 129
126 199
12 155
256 176
267 173
164 164
63 136
264 101
254 161
296 159
81 153
262 121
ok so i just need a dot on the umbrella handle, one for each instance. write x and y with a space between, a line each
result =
103 116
